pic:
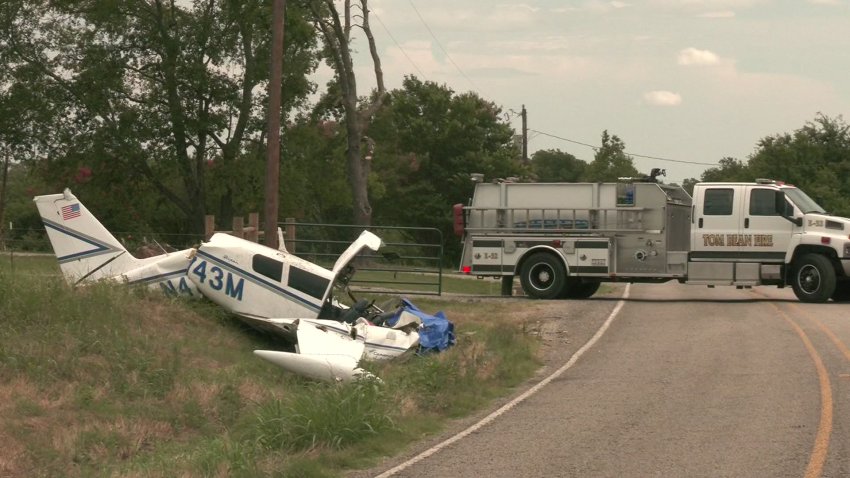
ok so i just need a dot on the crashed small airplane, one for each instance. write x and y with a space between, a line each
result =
270 289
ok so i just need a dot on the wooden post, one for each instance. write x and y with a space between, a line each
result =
253 232
289 234
209 226
238 224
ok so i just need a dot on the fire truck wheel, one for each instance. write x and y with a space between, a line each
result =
813 278
542 276
581 290
842 292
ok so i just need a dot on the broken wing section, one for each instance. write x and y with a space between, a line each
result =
331 351
322 354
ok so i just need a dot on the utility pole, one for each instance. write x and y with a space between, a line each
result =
524 135
273 144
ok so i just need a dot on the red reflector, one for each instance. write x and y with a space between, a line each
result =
466 269
824 240
556 243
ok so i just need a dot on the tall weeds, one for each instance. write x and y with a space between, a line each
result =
105 380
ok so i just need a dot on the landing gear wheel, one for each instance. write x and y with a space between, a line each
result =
581 290
543 276
842 292
813 278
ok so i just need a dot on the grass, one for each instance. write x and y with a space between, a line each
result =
111 381
451 282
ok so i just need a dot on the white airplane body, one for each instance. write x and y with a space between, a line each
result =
280 293
256 281
88 252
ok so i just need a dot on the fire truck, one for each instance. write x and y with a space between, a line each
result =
564 239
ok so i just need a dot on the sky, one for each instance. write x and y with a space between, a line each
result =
692 81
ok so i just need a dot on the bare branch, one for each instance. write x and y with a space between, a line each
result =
376 104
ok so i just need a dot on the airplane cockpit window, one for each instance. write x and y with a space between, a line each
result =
308 283
271 268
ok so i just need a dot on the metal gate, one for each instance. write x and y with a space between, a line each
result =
408 263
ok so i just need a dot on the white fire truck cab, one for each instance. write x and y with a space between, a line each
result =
564 239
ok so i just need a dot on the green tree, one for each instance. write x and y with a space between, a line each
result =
554 165
815 157
429 140
147 96
610 161
315 154
728 170
688 185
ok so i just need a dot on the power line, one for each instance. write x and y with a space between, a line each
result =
399 46
630 154
441 45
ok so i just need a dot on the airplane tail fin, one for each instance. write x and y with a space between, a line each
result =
85 249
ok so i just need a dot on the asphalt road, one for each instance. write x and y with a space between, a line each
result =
686 382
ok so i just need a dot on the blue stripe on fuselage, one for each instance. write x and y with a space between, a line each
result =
160 277
258 281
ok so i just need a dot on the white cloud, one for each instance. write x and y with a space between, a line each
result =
594 6
520 6
718 14
501 18
662 98
692 56
734 4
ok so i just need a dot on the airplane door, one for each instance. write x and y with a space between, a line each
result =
767 234
717 222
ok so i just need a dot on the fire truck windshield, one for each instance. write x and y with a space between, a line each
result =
803 201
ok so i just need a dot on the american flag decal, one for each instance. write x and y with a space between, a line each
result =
70 212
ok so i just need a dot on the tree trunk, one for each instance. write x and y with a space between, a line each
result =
358 173
337 38
3 202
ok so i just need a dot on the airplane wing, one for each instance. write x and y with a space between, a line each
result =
322 354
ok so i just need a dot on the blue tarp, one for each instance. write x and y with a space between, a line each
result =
435 335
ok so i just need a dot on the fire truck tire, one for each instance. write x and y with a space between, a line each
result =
542 276
842 292
581 290
813 278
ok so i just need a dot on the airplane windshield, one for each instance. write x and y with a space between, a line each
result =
803 201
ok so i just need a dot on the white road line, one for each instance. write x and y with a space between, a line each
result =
489 418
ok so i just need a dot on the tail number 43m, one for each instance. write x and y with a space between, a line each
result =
218 279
